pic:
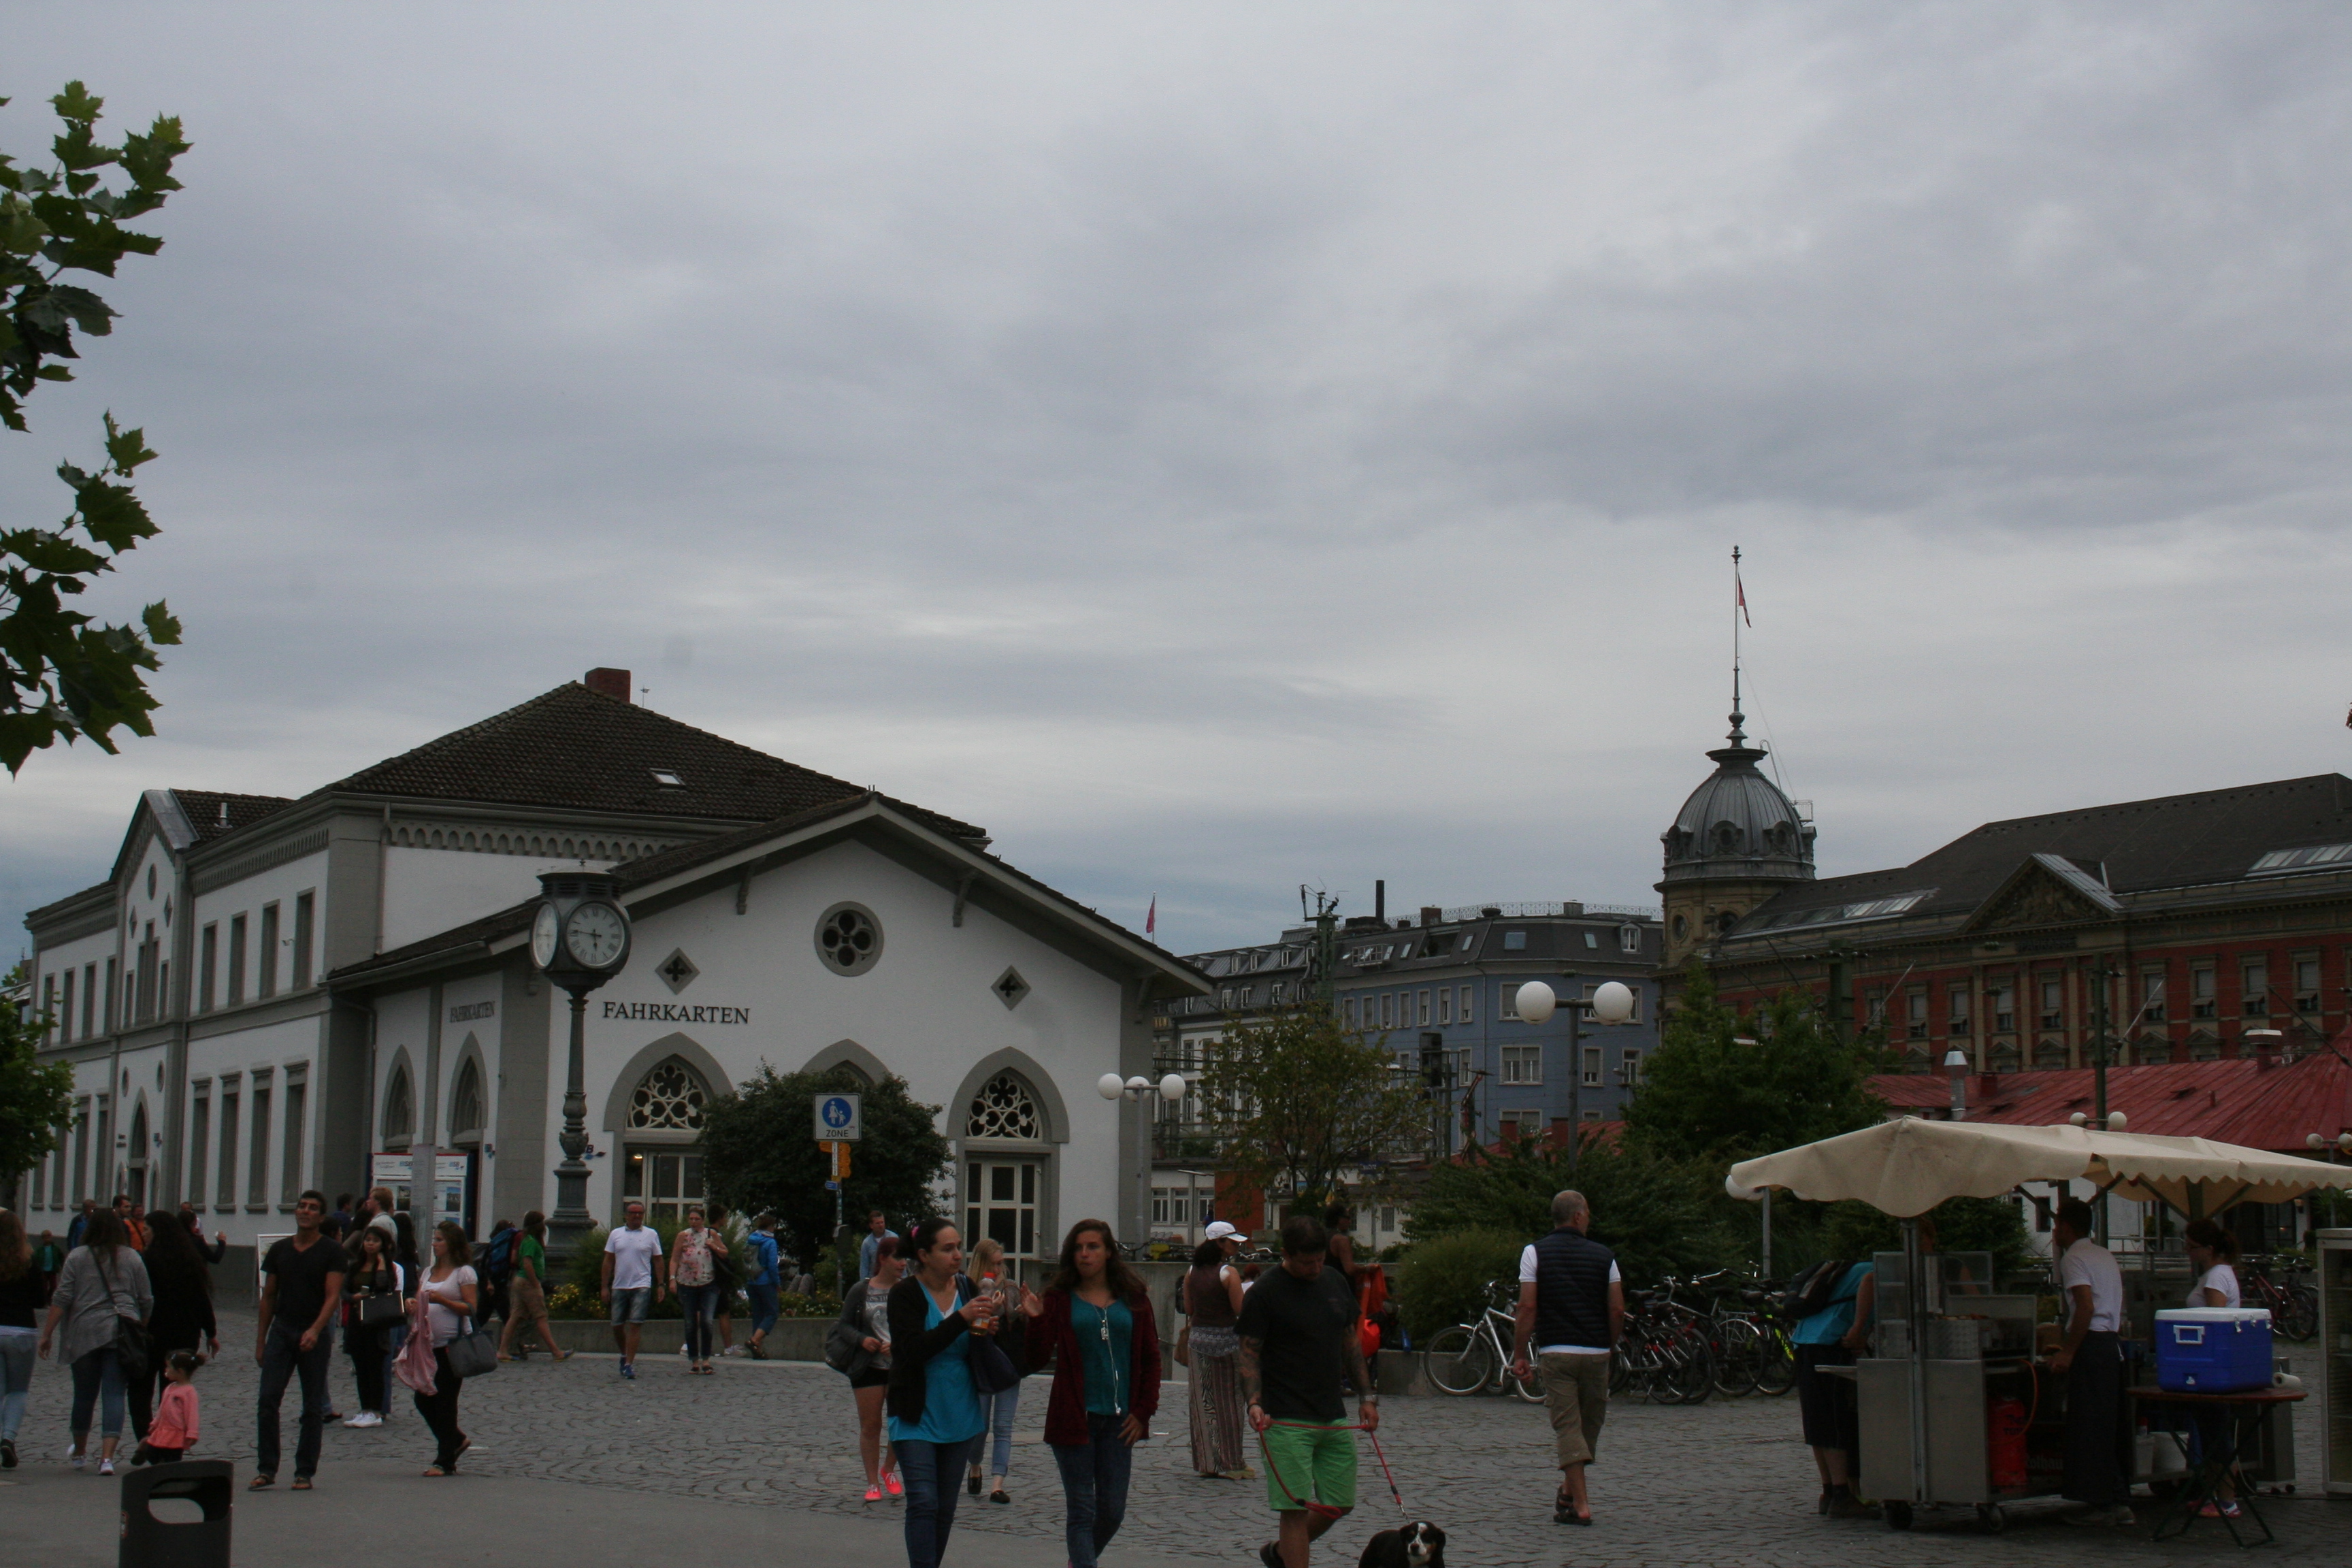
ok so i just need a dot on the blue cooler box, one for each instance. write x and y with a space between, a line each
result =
2212 1350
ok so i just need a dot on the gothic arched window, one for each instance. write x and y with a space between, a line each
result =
1005 1107
466 1100
671 1096
399 1110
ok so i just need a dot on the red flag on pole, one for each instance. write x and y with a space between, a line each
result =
1739 594
1151 916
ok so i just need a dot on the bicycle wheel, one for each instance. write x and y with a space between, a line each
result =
1738 1354
1694 1378
1459 1360
1776 1365
1530 1390
2297 1312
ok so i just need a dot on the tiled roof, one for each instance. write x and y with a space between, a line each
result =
2181 840
572 748
2273 1106
213 813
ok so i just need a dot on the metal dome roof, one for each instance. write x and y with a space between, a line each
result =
1738 822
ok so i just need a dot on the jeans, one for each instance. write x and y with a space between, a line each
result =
765 1307
282 1357
17 1348
998 1410
439 1409
364 1343
94 1370
1094 1487
701 1305
933 1474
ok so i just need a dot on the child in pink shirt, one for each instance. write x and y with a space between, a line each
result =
173 1430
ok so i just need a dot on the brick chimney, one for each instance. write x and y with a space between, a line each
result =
611 683
1431 914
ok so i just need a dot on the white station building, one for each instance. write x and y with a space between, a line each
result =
267 995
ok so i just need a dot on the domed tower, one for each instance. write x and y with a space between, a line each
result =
1736 841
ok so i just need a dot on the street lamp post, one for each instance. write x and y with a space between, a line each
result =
578 939
1610 1002
1956 1062
1139 1088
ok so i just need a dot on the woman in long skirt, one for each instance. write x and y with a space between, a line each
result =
1213 1299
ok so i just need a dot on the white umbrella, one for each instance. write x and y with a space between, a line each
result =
1906 1166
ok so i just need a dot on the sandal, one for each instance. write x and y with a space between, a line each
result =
998 1495
301 1483
435 1472
261 1483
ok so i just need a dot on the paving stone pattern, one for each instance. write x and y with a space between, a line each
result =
1724 1483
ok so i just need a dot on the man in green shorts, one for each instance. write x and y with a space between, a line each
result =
1298 1338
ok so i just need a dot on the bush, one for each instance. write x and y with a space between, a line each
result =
1444 1280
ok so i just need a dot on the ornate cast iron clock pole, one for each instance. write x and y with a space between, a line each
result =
578 939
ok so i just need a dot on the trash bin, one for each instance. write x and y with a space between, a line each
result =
151 1542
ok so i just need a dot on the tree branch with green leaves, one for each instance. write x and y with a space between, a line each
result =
66 675
1297 1100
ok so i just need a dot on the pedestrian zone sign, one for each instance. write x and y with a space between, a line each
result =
837 1117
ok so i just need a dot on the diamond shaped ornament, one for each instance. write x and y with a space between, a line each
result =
1010 987
678 971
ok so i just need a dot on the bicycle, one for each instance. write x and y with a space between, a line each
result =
2294 1306
1663 1353
1469 1358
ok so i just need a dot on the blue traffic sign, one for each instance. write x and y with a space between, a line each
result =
838 1117
833 1186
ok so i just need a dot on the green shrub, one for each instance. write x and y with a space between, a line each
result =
1444 1280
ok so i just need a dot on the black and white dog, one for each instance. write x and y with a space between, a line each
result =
1420 1545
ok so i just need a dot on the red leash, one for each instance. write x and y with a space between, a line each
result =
1324 1510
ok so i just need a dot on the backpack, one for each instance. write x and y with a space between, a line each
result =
1812 1291
499 1257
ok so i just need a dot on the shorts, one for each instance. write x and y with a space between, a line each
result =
529 1300
872 1377
631 1306
1317 1463
1576 1397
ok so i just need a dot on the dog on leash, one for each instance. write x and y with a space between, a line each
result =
1420 1545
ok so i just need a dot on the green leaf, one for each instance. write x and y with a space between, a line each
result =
78 103
126 448
163 626
112 514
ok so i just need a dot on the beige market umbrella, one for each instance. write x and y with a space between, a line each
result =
1906 1166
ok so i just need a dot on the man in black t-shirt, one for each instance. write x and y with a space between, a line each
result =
304 1285
1299 1337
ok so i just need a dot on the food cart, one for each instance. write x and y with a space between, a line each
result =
1939 1393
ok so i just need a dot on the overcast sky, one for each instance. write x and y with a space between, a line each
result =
1220 447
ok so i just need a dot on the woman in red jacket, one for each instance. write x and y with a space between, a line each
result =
1095 1321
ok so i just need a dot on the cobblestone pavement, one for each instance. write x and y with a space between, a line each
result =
1724 1483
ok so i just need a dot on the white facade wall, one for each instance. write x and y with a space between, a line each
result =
430 890
85 958
272 1057
281 885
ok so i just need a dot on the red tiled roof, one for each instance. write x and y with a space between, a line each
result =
2246 1101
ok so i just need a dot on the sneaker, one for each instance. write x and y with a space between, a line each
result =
873 1494
1270 1554
891 1480
1845 1505
106 1467
78 1459
629 1371
7 1453
2215 1509
368 1419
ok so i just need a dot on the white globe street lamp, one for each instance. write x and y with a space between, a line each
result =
1610 1002
1139 1088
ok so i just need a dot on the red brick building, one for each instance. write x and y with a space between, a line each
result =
2197 919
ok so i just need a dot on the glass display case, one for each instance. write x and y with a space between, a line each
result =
2334 1347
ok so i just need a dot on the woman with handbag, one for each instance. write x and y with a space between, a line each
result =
990 1276
1212 1301
694 1260
1095 1322
377 1289
935 1420
862 1331
451 1295
102 1298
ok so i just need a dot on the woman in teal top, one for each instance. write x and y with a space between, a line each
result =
1829 1338
935 1418
1095 1321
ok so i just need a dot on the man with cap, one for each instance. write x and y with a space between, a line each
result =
1211 1297
2092 1361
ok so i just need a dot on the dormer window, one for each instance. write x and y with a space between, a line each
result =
666 779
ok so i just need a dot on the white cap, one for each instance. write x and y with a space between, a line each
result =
1218 1230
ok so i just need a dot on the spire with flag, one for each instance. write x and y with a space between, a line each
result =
1151 917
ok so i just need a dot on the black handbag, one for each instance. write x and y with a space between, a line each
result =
382 1310
473 1354
130 1343
844 1350
992 1371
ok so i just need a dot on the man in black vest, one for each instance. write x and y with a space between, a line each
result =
1572 1307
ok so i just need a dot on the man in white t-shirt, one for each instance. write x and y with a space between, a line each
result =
1572 1310
2092 1360
633 1281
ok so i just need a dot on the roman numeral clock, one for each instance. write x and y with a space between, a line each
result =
578 939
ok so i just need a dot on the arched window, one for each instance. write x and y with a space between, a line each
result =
669 1096
399 1110
1005 1107
466 1101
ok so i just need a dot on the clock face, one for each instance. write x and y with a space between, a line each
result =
595 935
542 936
